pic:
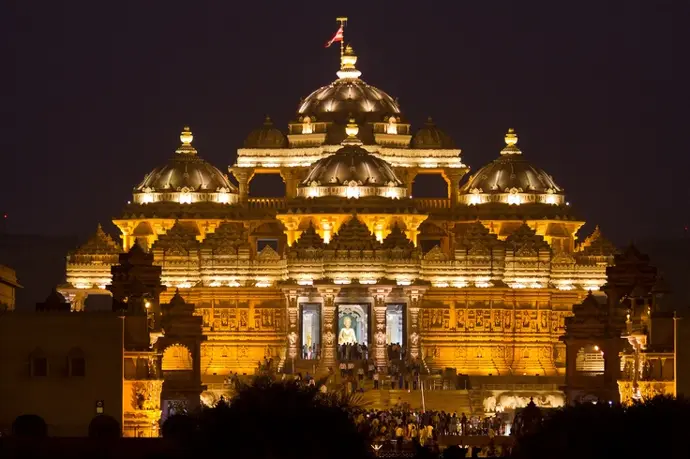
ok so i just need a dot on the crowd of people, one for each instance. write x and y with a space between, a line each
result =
403 427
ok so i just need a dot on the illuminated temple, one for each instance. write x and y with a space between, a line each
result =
483 281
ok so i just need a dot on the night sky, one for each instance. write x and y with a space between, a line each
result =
94 96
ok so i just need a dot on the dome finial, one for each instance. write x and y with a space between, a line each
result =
511 140
186 138
347 64
268 121
352 130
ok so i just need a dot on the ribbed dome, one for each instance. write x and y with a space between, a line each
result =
430 136
348 96
511 179
185 178
267 136
505 173
352 163
351 172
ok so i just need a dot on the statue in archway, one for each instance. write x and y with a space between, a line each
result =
347 333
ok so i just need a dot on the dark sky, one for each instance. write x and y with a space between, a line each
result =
94 94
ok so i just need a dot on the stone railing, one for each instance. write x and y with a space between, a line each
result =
267 203
431 203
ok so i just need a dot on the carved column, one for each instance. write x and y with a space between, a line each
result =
327 329
292 178
293 324
380 335
243 176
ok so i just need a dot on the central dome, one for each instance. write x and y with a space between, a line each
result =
348 96
351 172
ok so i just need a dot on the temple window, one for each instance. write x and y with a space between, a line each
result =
77 366
39 366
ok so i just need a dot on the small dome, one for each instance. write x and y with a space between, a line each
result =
352 172
267 136
511 179
348 96
186 178
430 136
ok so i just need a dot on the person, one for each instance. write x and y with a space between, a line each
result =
360 374
376 379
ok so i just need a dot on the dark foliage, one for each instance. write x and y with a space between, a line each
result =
656 428
276 420
104 427
29 426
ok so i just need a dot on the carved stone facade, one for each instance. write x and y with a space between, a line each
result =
484 286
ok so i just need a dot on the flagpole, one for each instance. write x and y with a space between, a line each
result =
342 21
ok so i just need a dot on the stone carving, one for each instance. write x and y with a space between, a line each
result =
146 395
180 240
436 254
227 239
460 318
525 242
99 247
354 235
329 338
596 246
268 254
292 338
242 352
398 245
414 339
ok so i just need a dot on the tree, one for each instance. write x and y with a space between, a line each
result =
652 429
280 420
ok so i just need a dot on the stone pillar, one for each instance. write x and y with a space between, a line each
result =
407 175
243 176
328 335
413 328
292 178
453 176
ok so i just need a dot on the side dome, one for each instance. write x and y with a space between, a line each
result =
185 179
511 179
348 96
351 172
431 137
267 136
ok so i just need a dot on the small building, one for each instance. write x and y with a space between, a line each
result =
8 287
62 366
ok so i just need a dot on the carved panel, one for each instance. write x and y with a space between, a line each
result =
461 320
435 319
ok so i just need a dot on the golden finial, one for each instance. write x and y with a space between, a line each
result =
351 129
186 138
511 140
511 137
347 64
